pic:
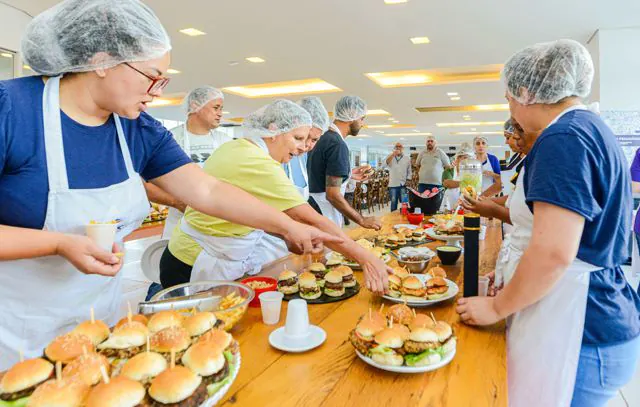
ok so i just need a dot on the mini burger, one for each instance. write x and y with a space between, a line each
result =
437 272
445 336
21 380
86 367
288 282
436 288
165 319
318 270
177 386
137 317
421 321
418 235
400 314
401 272
402 240
207 360
412 286
309 289
333 286
60 393
175 339
97 331
348 281
144 366
119 392
395 285
67 347
402 330
392 241
220 337
362 337
388 348
201 322
422 348
125 342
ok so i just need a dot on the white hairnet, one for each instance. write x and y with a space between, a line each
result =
66 37
350 108
549 72
278 117
316 109
476 138
199 97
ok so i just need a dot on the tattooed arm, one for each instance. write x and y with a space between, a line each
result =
335 197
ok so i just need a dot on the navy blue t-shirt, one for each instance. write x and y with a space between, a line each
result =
330 156
578 165
92 154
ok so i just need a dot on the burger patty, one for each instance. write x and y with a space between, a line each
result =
121 353
334 286
167 355
319 274
360 344
288 282
438 290
308 290
217 377
417 347
346 279
194 400
19 394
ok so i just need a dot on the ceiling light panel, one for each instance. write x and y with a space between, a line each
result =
394 79
390 126
470 124
408 134
468 108
192 32
476 133
255 60
288 88
420 40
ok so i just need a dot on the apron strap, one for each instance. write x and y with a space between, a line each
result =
124 148
52 124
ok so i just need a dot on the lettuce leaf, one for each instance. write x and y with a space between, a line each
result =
411 359
17 403
213 388
382 350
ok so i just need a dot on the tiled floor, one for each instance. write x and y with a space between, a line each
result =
135 286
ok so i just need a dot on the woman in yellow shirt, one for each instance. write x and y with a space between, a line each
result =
204 247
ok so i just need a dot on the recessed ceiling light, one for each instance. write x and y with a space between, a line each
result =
6 55
378 112
420 40
408 134
452 94
301 87
172 71
27 67
466 124
225 112
455 98
389 126
395 1
255 60
422 77
192 32
233 63
468 108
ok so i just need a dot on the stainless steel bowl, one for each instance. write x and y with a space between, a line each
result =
415 267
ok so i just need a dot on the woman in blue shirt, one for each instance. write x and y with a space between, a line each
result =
491 182
573 319
74 144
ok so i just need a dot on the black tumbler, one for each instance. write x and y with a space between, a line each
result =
471 253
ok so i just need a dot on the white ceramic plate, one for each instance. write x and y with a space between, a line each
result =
452 292
213 400
445 238
405 225
150 260
409 369
280 341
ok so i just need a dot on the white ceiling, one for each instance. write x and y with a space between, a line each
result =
340 40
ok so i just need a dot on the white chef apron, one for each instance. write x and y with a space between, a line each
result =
44 297
174 215
229 258
328 210
544 339
303 191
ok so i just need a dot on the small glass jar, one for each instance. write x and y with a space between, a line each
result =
471 178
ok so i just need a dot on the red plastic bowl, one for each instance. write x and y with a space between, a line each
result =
273 286
415 218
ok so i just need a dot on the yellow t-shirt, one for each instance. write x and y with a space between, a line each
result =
247 166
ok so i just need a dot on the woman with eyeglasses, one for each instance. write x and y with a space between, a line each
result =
74 144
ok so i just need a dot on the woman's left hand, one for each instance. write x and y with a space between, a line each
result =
376 275
478 310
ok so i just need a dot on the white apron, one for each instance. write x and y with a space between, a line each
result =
174 216
325 206
303 191
544 339
229 258
44 297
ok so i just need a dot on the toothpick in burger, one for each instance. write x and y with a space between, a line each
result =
288 282
175 339
164 319
413 288
436 288
333 286
362 337
309 289
319 270
65 348
348 281
388 349
19 382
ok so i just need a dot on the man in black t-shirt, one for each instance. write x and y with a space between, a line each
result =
329 168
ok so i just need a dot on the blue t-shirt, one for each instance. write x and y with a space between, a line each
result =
92 154
296 162
494 162
330 157
578 165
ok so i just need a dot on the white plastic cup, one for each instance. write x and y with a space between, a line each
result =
297 324
483 286
483 232
102 234
270 304
417 211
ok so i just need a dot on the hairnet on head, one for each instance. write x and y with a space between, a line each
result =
199 97
66 37
476 138
316 109
549 72
350 108
508 126
465 150
278 117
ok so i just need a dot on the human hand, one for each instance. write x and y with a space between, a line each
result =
87 257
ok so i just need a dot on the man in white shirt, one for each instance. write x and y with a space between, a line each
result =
399 173
431 162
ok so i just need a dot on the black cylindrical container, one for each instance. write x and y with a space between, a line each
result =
471 253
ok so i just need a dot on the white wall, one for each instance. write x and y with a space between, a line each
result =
13 23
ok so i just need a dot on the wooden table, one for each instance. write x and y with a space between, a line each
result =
332 375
